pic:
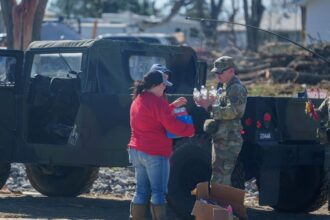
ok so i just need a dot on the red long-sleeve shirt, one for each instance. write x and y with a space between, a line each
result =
150 117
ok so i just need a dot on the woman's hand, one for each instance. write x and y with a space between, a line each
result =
179 102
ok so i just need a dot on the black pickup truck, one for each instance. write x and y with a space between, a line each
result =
65 113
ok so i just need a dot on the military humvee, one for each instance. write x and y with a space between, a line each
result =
66 113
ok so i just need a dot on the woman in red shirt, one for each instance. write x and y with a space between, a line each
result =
149 148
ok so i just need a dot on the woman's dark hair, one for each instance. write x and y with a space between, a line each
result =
137 88
150 80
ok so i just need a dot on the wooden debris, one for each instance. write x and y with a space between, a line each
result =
282 64
281 74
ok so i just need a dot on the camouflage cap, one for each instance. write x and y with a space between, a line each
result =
222 63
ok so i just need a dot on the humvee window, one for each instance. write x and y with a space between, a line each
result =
139 65
54 97
56 65
7 71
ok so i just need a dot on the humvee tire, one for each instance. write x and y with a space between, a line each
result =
4 173
190 164
302 189
61 180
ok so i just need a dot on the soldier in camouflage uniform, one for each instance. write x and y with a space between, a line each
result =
226 137
323 133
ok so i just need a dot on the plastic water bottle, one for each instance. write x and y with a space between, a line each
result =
230 211
219 91
196 94
179 111
213 92
204 92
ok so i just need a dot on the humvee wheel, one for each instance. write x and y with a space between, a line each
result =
61 180
238 175
4 173
302 189
190 164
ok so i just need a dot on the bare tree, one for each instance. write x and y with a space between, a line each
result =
232 15
202 9
23 21
253 15
176 8
210 28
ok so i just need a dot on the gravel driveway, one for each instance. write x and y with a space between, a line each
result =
108 199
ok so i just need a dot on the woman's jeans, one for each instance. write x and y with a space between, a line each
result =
151 175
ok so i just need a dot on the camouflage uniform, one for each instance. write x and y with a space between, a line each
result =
227 140
323 133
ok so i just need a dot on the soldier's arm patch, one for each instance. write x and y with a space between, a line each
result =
237 95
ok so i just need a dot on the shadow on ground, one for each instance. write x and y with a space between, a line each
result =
40 207
64 208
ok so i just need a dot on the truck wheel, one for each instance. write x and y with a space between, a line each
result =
190 164
302 189
238 175
61 180
4 173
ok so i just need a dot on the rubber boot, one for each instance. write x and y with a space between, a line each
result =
136 211
158 212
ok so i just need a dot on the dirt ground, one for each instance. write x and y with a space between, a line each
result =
36 206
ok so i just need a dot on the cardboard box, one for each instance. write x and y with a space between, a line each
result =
223 195
203 211
227 195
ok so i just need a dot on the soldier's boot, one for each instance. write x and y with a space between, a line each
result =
158 212
137 211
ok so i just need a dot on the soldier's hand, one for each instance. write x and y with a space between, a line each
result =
205 103
210 126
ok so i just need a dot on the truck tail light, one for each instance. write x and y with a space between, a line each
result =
258 124
267 117
248 121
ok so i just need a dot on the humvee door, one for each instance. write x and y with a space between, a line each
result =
10 89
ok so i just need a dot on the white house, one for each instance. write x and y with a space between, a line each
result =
316 20
128 22
191 29
286 24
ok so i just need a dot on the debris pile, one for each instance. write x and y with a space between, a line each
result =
281 63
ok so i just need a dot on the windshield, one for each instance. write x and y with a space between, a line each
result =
56 65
